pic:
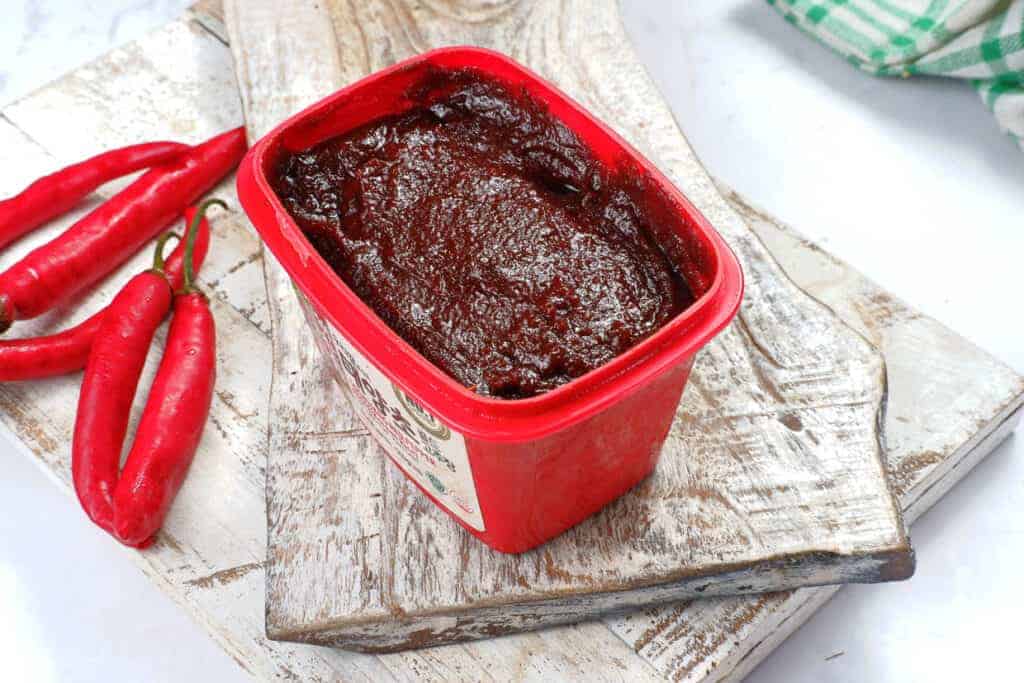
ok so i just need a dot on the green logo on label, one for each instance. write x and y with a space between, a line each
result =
421 417
436 482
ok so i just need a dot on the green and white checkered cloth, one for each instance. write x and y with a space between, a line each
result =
979 40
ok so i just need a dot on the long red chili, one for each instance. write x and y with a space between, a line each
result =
132 506
67 351
174 417
116 359
57 193
105 238
171 426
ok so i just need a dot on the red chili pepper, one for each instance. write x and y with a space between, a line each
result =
132 507
94 246
67 351
116 359
174 417
171 425
57 193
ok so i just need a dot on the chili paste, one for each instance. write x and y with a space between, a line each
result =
486 234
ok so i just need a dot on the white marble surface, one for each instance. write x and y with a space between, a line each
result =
793 128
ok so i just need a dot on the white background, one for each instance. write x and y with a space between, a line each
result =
908 180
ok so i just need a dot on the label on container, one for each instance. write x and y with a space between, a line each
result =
427 449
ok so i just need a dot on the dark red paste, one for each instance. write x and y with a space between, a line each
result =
486 235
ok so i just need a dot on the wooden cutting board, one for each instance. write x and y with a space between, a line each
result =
772 475
949 404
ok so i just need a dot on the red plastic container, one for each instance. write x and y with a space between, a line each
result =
514 473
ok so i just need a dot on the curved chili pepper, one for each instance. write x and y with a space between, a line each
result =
67 351
116 359
175 414
171 426
98 243
132 507
57 193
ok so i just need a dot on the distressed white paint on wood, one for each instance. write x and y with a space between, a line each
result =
929 448
210 558
771 476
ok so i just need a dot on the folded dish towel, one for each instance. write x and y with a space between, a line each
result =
979 40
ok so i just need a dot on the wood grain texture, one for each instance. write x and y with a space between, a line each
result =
178 82
725 639
771 476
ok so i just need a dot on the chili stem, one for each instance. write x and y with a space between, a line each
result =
158 253
188 281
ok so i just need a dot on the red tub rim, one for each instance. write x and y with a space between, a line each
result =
464 411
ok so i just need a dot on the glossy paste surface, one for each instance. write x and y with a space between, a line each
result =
486 235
